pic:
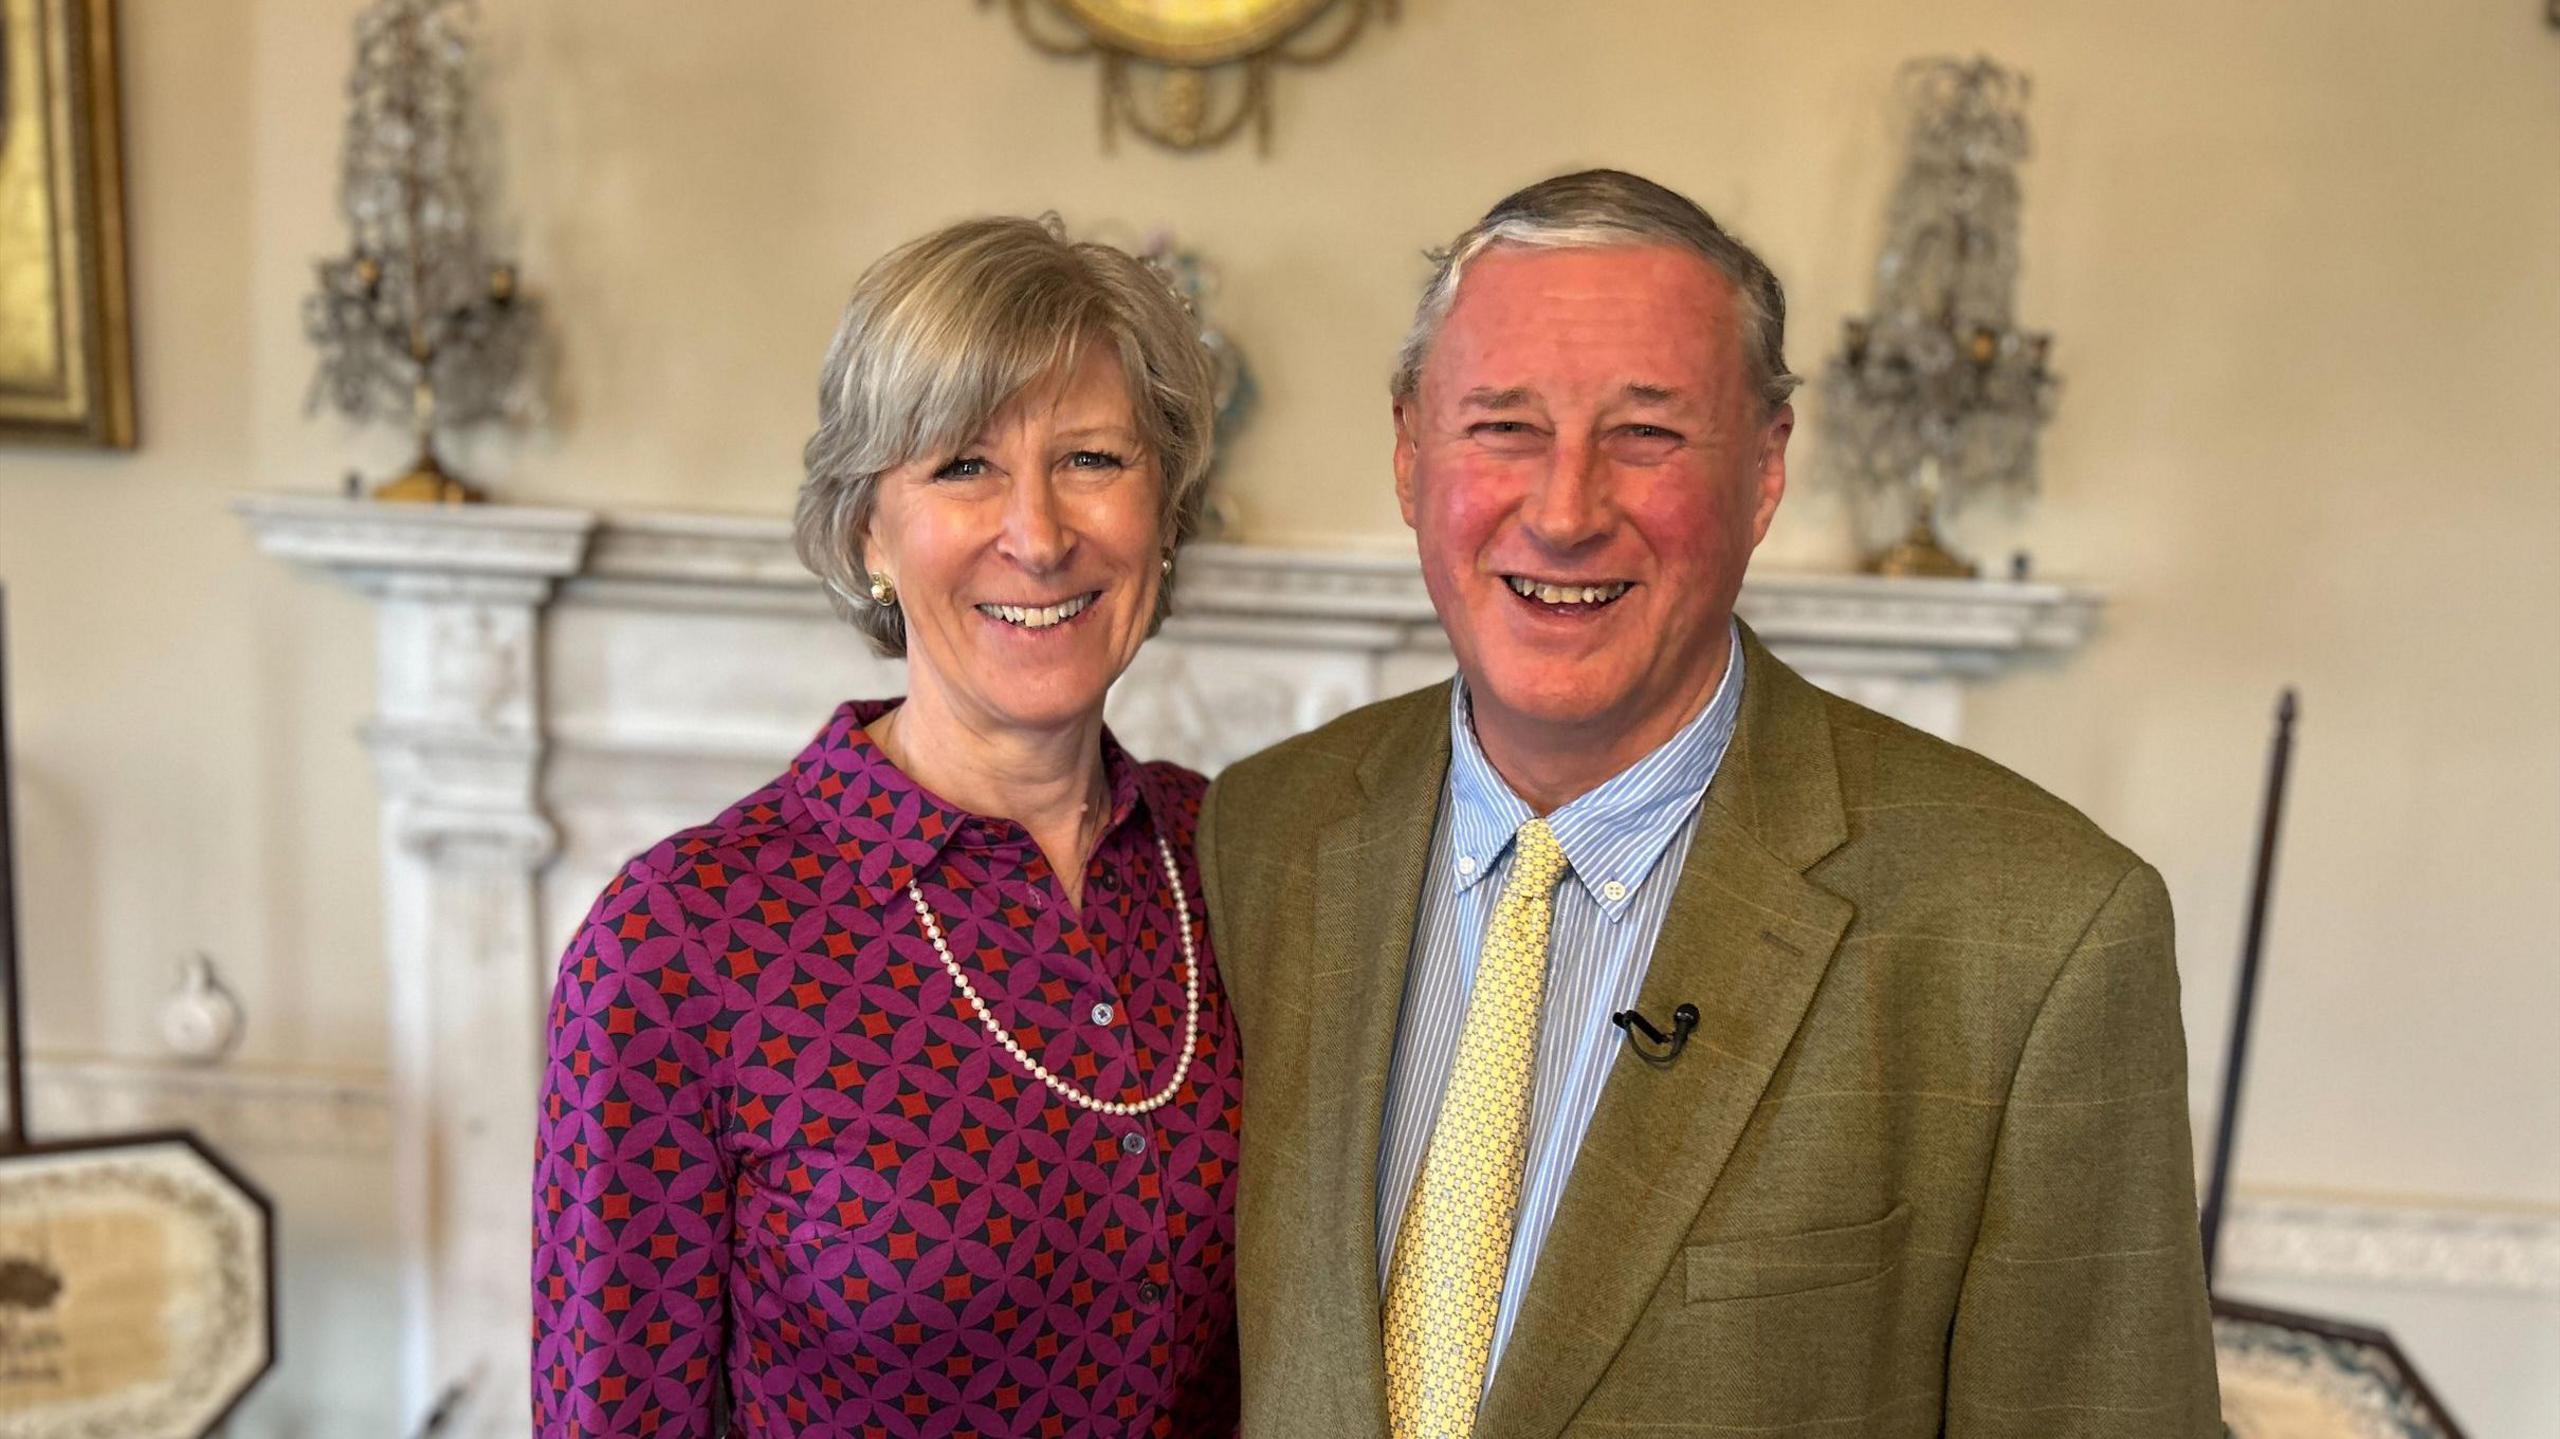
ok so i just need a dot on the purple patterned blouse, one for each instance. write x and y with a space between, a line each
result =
778 1146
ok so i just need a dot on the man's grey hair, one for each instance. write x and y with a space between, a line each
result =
945 331
1594 209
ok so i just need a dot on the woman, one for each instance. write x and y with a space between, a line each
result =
901 1098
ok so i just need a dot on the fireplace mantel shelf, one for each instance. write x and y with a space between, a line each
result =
745 563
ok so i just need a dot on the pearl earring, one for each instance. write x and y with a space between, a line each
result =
1168 567
883 593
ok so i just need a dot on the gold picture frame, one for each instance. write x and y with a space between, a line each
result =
66 333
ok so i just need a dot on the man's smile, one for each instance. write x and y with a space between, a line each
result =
1554 595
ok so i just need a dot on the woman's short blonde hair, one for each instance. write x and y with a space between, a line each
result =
943 332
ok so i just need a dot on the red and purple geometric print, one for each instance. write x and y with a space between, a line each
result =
779 1153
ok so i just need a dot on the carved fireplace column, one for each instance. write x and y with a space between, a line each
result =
457 742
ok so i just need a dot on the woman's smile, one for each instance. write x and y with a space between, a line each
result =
1036 616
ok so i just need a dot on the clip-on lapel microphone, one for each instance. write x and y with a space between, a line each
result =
1683 1020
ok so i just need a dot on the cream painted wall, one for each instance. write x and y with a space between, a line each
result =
182 711
2302 259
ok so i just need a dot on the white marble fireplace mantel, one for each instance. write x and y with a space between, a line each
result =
556 688
1901 645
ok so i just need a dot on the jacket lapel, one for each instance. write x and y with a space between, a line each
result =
1369 876
1747 939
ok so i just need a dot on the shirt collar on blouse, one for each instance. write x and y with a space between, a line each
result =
888 827
1613 835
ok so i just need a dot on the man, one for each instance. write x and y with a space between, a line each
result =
1921 1168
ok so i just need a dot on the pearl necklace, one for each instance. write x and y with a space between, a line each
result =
986 1017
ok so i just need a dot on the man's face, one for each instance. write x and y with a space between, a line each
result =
1588 468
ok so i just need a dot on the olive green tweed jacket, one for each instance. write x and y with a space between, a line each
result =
1923 1170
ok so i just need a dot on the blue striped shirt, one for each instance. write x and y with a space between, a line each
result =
1626 842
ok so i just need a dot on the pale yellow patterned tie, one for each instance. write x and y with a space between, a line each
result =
1445 1281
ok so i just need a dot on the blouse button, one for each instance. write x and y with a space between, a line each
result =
1150 1292
1132 1142
1102 1014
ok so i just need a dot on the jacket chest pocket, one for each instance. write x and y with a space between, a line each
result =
1775 1332
1781 1264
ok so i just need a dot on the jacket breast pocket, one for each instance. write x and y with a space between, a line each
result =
1769 1266
1804 1333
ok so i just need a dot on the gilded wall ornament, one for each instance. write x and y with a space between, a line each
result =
1192 74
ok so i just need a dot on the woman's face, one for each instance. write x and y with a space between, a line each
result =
1027 564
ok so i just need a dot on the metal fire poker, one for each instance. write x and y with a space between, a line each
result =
2235 1064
